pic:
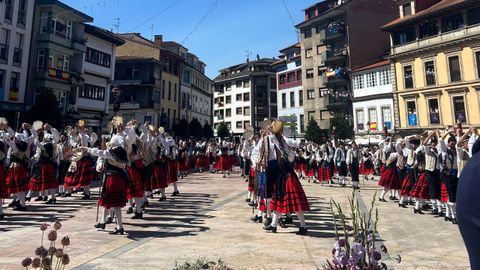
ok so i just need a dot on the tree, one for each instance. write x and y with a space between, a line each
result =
343 129
207 131
180 129
195 128
313 132
222 130
45 109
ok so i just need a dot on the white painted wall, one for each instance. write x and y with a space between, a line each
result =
376 104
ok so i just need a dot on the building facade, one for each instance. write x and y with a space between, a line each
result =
57 54
373 99
98 73
15 38
339 36
245 95
436 58
290 90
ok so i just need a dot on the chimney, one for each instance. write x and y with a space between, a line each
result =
258 57
158 41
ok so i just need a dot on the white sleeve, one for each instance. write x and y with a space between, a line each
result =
55 135
348 156
99 153
256 152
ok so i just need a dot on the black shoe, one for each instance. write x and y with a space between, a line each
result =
448 219
162 199
67 195
100 226
28 199
175 193
45 198
394 198
252 204
86 197
150 196
302 231
270 228
281 222
454 220
256 218
344 185
390 198
138 216
20 208
382 200
117 231
435 212
440 214
109 220
14 203
288 220
402 205
247 200
39 198
419 211
130 210
51 201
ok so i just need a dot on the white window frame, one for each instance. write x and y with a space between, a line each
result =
413 76
383 116
425 72
427 100
406 100
41 60
464 96
448 56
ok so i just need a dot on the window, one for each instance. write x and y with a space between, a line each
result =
454 68
300 98
292 99
428 29
360 120
404 36
459 109
239 111
8 10
175 93
246 111
273 111
98 58
291 77
228 112
430 77
358 82
302 123
229 86
169 90
246 83
228 99
412 113
473 16
239 124
477 58
60 28
407 9
59 61
310 73
307 33
433 111
311 115
238 97
372 118
14 85
41 60
387 117
311 94
44 22
17 52
238 84
246 97
284 100
408 76
92 92
308 53
452 22
163 89
384 77
4 42
246 124
371 79
273 83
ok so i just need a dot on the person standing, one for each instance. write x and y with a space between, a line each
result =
352 161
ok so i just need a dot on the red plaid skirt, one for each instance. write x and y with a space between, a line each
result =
159 177
366 169
83 176
172 176
3 184
137 190
294 199
251 180
298 166
225 163
17 179
324 174
421 189
389 178
45 180
405 191
309 172
201 162
115 192
182 166
444 193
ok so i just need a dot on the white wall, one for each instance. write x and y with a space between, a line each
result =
234 105
376 104
382 86
297 110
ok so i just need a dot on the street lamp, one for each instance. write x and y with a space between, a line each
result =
116 91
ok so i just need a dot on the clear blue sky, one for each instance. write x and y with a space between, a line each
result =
232 28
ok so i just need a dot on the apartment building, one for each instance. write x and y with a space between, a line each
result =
435 53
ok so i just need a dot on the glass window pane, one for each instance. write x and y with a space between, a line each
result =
454 65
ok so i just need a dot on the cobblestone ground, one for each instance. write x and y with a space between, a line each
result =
211 219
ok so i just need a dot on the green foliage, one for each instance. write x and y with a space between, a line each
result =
222 130
202 263
207 131
180 129
45 109
195 128
313 132
343 128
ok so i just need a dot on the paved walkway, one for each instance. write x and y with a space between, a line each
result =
211 219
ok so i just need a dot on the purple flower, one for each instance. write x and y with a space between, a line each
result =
44 227
59 253
51 251
36 263
52 235
41 251
376 256
65 259
26 262
370 237
65 241
57 225
341 242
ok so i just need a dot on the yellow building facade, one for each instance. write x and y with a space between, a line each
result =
436 60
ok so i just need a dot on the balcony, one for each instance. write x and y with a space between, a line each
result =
338 104
440 39
286 85
75 43
58 74
336 77
334 31
336 56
